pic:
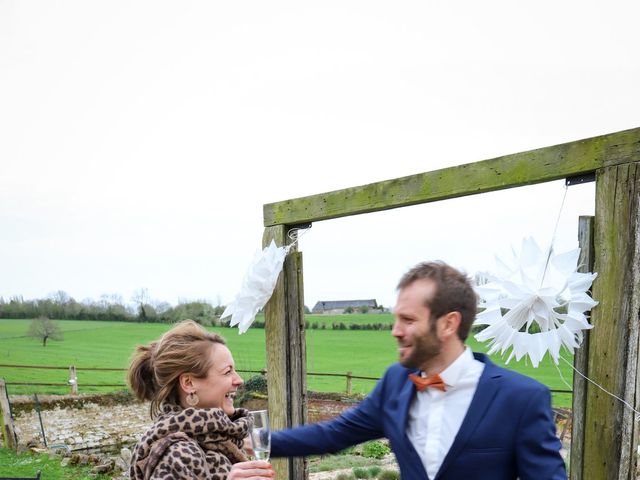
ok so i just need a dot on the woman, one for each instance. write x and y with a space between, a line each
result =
189 376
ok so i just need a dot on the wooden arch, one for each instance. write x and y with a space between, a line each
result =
606 444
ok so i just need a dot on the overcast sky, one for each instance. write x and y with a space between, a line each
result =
140 139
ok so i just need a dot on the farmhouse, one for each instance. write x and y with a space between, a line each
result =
339 306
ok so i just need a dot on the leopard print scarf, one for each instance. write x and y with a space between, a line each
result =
191 443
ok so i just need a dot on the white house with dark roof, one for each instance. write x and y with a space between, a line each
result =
339 306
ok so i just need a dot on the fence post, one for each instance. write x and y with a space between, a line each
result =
8 431
581 360
73 380
349 382
44 435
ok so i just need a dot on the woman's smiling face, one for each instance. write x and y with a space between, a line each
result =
218 389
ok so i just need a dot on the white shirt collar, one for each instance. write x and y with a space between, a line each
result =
454 372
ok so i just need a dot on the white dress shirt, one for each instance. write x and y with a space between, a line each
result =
435 416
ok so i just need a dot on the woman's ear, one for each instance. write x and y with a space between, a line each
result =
186 382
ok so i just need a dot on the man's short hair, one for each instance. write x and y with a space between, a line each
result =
454 292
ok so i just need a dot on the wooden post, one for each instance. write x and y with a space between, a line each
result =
286 352
611 432
580 359
349 374
73 380
299 468
9 438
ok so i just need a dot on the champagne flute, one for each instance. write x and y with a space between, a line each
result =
261 435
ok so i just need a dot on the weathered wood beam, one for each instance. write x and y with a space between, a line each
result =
581 358
610 427
277 353
526 168
297 353
286 351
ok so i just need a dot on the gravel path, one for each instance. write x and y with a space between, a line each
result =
388 463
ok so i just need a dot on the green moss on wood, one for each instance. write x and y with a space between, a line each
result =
526 168
613 357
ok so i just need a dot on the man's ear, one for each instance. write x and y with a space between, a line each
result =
186 382
449 324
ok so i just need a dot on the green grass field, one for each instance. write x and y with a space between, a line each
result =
27 464
90 344
357 318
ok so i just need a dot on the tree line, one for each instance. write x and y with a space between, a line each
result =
62 306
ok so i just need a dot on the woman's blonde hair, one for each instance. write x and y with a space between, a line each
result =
155 369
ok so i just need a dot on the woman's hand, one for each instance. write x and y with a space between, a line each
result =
248 446
253 470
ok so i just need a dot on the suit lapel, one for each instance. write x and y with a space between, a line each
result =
407 394
404 402
488 386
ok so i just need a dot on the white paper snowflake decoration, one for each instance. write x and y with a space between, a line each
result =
536 303
257 286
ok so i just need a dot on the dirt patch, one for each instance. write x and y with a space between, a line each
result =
388 463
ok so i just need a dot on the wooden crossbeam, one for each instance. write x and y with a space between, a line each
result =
526 168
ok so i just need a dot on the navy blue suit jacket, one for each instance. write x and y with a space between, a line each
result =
507 433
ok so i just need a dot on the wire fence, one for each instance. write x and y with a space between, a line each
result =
73 381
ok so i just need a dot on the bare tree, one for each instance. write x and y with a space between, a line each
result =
44 329
61 297
146 312
141 296
160 307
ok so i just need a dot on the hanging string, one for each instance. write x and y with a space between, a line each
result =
553 237
294 235
532 299
599 386
562 376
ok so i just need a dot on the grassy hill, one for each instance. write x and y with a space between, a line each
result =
110 345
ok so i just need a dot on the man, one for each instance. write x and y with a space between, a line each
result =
447 412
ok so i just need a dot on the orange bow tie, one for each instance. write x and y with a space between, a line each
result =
433 381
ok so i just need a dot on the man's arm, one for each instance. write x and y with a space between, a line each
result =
538 447
356 425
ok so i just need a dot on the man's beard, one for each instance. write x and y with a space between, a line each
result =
425 349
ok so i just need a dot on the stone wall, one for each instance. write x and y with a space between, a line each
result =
91 426
111 421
